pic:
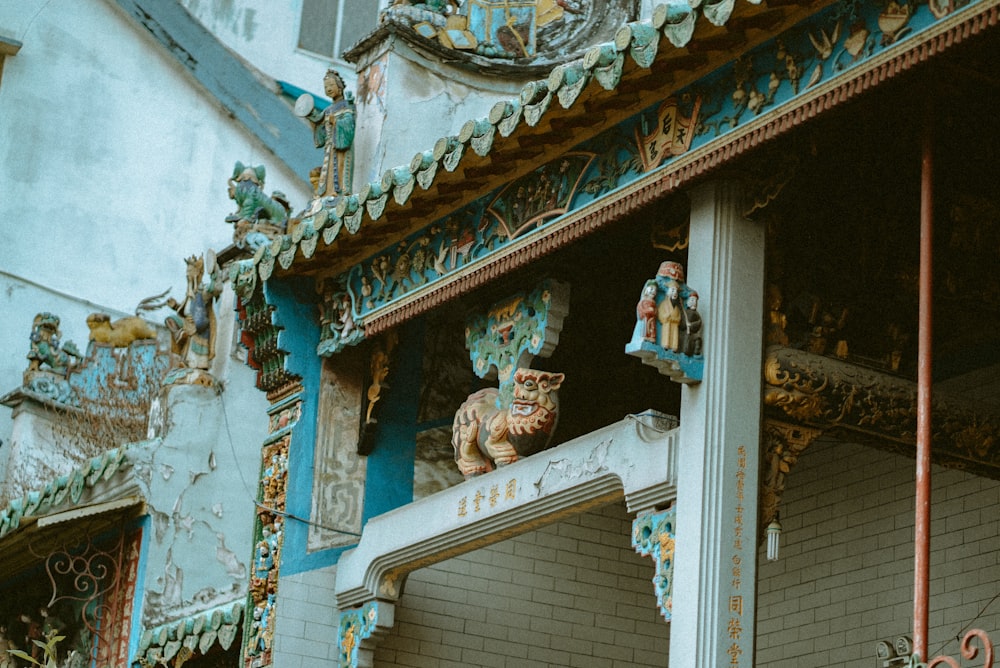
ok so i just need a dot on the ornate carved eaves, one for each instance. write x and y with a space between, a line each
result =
853 402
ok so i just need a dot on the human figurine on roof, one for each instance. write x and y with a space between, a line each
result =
334 133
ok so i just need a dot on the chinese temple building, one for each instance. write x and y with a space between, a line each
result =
612 333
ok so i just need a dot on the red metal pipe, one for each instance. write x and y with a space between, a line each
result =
922 542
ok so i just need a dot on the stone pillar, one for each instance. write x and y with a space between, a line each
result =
716 530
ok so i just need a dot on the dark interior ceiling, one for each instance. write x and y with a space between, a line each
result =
844 231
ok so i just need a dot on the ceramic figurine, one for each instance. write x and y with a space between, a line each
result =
193 322
777 321
119 333
691 334
333 131
645 312
670 314
258 218
668 329
485 434
45 346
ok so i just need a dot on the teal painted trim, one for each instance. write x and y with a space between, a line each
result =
390 465
295 314
823 51
389 482
292 92
653 535
359 624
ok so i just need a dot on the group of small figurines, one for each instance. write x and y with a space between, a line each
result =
668 326
667 312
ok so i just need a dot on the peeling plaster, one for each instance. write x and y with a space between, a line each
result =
160 523
561 471
229 560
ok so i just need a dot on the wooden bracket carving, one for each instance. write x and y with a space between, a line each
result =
783 444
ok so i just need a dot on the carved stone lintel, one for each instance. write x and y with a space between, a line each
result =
653 536
783 444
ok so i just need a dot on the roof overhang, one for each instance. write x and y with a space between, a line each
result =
596 109
39 536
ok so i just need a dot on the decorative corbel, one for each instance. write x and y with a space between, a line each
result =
340 326
783 444
359 632
668 329
381 358
653 536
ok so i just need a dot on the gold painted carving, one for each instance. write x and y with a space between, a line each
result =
783 444
879 408
379 370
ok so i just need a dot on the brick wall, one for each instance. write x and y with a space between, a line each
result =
573 594
845 576
305 635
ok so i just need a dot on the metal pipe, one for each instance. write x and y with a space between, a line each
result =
922 542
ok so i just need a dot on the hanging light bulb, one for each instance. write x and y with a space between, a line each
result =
773 539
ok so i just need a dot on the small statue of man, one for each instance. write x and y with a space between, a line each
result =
192 326
333 131
670 313
645 312
691 337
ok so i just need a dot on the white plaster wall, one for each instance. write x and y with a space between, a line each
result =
201 486
20 301
423 102
266 34
113 163
113 168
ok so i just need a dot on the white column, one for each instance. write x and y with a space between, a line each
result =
715 558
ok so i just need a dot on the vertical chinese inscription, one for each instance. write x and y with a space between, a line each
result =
734 627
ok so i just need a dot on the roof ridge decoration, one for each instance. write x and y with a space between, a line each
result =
63 490
828 58
501 36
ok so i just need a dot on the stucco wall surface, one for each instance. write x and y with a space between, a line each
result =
113 163
266 34
113 168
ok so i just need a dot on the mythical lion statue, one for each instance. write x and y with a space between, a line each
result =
485 435
258 218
